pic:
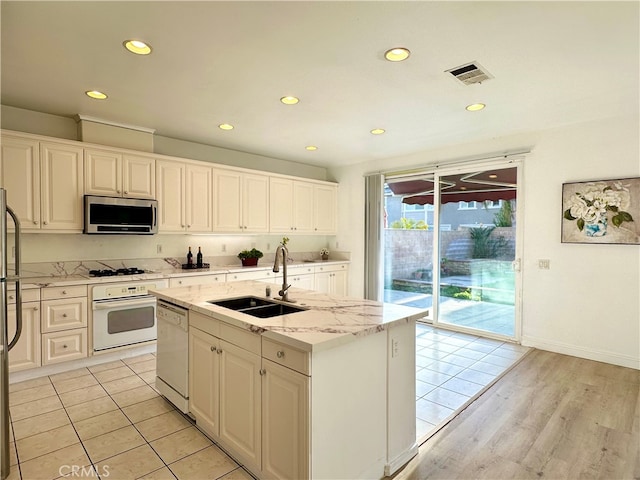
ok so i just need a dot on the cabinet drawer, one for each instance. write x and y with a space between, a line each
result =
242 338
49 293
205 323
64 346
197 280
286 356
30 295
253 275
64 314
331 268
300 270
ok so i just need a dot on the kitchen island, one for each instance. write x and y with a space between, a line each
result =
324 393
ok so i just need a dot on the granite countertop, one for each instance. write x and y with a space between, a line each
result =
329 321
47 274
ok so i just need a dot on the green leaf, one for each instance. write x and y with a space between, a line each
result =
580 223
626 216
617 220
613 208
567 214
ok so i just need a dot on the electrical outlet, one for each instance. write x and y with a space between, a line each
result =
224 247
158 248
544 264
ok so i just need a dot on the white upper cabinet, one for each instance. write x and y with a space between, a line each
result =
241 202
325 209
184 197
115 174
290 206
20 176
61 174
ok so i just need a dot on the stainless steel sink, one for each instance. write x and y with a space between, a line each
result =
258 307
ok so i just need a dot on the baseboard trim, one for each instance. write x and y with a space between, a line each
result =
581 352
395 463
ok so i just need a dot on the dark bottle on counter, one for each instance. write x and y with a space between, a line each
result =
190 258
199 258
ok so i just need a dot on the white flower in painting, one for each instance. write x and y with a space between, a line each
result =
596 199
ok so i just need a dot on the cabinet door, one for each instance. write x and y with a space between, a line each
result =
198 199
227 210
281 205
102 173
204 378
20 177
339 282
303 281
322 282
240 412
285 422
26 353
62 178
138 176
325 207
303 207
171 193
255 203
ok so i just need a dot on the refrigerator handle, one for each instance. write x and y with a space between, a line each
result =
16 337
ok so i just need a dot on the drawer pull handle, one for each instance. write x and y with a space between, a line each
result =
280 354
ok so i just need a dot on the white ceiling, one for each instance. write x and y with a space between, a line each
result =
230 62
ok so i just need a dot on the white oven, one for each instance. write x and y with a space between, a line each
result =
124 313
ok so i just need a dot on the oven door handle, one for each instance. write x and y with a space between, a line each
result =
110 304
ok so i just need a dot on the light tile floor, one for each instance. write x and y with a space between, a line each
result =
452 370
108 421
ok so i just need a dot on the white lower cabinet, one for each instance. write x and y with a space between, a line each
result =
26 353
331 279
204 380
208 279
285 422
240 400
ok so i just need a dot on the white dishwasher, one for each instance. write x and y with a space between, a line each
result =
172 354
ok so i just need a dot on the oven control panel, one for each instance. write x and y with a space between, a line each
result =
126 289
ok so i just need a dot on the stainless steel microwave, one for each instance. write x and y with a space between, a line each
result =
114 215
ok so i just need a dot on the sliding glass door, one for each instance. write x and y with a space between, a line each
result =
450 245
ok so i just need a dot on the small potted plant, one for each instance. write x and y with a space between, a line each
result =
324 253
250 258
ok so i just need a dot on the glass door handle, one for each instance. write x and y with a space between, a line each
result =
515 265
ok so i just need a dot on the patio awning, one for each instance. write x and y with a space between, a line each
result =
468 187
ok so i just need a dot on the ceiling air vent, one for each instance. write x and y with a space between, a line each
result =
470 73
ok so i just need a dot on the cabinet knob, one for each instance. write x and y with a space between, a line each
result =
35 222
262 371
188 226
46 223
64 292
214 349
64 346
35 309
126 193
64 315
117 191
11 297
280 354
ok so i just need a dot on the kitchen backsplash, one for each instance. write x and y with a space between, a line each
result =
66 247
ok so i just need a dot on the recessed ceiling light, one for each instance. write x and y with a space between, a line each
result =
96 94
377 131
397 54
493 175
311 148
289 100
225 126
474 107
137 47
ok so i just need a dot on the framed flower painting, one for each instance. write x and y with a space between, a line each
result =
603 211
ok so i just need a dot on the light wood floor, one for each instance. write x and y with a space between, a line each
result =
552 417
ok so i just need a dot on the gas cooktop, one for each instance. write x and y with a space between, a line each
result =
113 273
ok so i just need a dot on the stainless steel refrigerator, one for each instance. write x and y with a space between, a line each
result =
7 344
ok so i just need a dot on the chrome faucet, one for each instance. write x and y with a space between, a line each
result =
283 252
